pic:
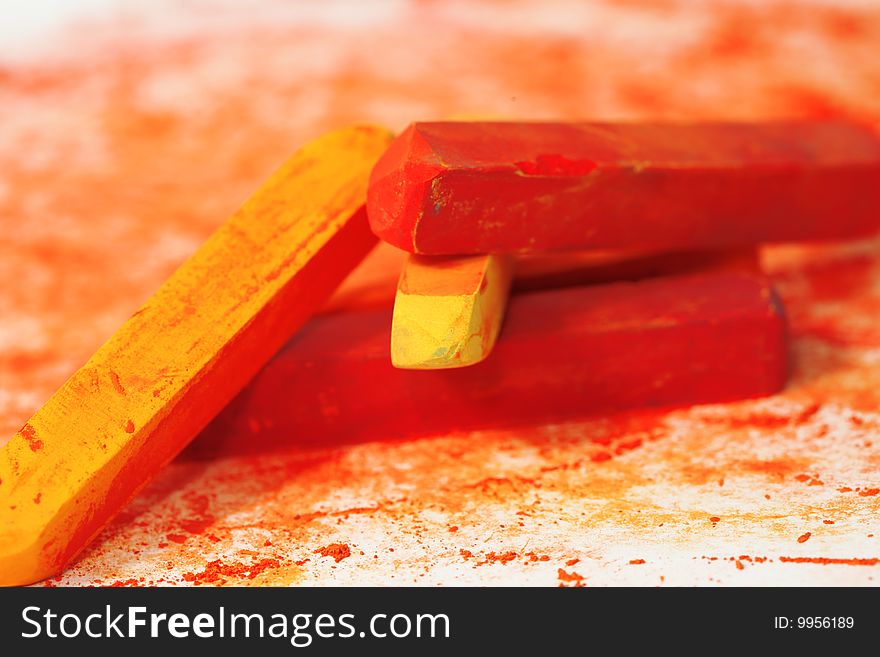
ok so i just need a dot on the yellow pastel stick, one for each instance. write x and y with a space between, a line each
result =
178 360
448 310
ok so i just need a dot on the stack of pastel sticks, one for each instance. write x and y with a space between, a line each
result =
554 271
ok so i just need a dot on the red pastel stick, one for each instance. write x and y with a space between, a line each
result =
707 337
450 188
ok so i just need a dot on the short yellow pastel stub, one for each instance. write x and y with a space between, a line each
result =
448 310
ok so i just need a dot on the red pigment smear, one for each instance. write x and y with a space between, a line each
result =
739 565
804 537
534 556
636 562
575 578
467 554
556 165
828 522
127 583
176 538
217 572
498 557
338 551
869 492
37 498
129 426
824 561
572 562
810 480
765 420
200 519
117 384
454 528
714 519
30 435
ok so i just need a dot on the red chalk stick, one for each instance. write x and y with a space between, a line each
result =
671 341
448 188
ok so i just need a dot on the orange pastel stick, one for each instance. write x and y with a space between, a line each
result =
178 360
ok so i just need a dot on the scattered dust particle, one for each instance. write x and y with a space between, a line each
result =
739 565
454 528
804 538
37 498
467 554
338 551
828 522
129 426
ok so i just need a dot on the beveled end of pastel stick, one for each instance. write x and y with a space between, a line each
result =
448 311
399 184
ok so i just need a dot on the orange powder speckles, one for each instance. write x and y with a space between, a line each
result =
217 572
338 551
